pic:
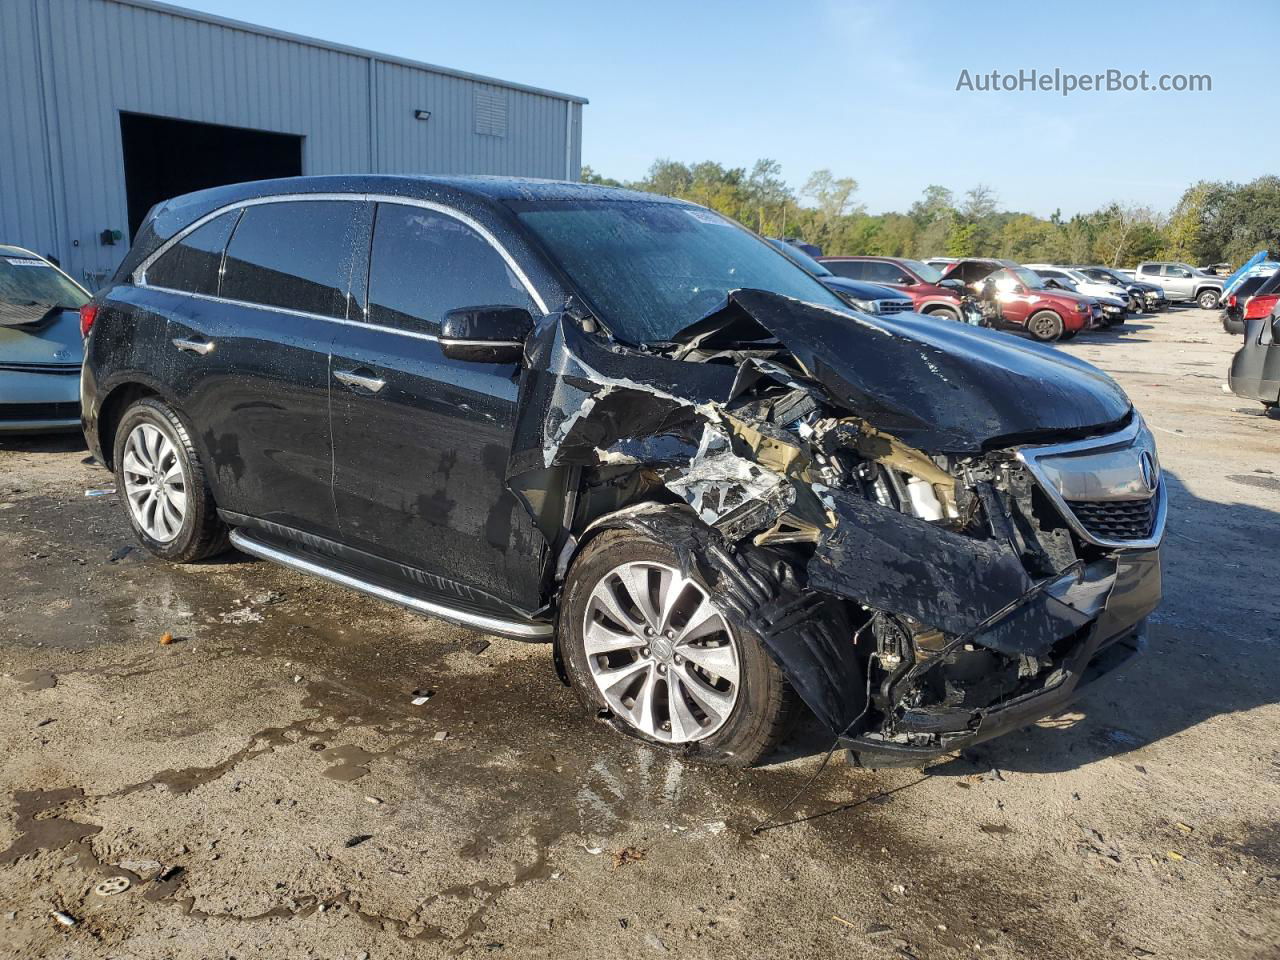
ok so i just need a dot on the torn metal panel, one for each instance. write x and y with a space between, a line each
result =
882 557
734 494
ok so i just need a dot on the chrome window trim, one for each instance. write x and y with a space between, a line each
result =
460 342
363 325
139 275
1030 457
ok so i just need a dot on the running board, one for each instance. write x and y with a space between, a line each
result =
516 629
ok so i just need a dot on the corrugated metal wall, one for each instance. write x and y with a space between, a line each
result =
68 68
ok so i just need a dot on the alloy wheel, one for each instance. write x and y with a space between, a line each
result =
661 653
153 482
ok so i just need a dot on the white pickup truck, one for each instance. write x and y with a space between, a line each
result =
1181 281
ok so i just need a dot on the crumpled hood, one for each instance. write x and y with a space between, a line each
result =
939 386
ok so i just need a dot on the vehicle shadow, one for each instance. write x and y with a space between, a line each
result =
43 442
1204 621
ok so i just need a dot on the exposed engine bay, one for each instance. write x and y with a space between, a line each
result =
869 512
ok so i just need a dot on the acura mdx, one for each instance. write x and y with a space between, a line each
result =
627 425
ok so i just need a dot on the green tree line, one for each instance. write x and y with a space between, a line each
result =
1213 222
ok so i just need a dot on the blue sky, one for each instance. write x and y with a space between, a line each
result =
866 89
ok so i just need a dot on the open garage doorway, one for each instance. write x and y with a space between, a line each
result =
164 157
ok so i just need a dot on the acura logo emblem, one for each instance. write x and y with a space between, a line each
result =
1149 476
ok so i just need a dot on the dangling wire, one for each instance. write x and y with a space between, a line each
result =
772 820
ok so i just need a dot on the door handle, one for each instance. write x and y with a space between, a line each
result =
201 347
364 381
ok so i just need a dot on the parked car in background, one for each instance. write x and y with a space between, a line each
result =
1233 313
942 264
1255 368
1149 297
623 424
812 249
1024 302
1182 282
916 279
867 297
40 344
1113 298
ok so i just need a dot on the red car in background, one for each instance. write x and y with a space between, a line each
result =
1023 300
917 280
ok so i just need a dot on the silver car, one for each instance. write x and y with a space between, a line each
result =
40 344
1182 282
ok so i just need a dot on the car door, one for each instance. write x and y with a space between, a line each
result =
421 441
1178 282
1255 369
1151 273
252 363
1013 296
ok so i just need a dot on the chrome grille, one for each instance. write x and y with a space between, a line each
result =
1116 519
895 306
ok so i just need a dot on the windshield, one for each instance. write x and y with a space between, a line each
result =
922 270
27 280
649 269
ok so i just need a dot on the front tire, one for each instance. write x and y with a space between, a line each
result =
943 313
652 649
162 484
1046 326
1208 300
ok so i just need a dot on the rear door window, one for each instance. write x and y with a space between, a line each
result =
1150 269
424 263
193 265
849 269
294 254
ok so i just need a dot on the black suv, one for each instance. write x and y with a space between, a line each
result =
626 424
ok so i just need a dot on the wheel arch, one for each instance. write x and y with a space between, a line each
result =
112 408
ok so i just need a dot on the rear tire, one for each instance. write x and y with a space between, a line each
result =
1208 300
162 485
1046 326
764 705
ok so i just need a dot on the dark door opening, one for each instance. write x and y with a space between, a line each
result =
164 157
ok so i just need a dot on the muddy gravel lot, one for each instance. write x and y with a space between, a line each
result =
268 787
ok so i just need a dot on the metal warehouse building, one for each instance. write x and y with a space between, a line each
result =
108 106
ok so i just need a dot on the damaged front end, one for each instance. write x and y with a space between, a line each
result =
931 556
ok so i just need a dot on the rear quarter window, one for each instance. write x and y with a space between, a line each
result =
193 264
294 254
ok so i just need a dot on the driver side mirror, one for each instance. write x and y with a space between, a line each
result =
485 334
951 283
1054 284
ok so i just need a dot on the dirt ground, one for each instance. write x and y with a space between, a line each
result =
269 789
